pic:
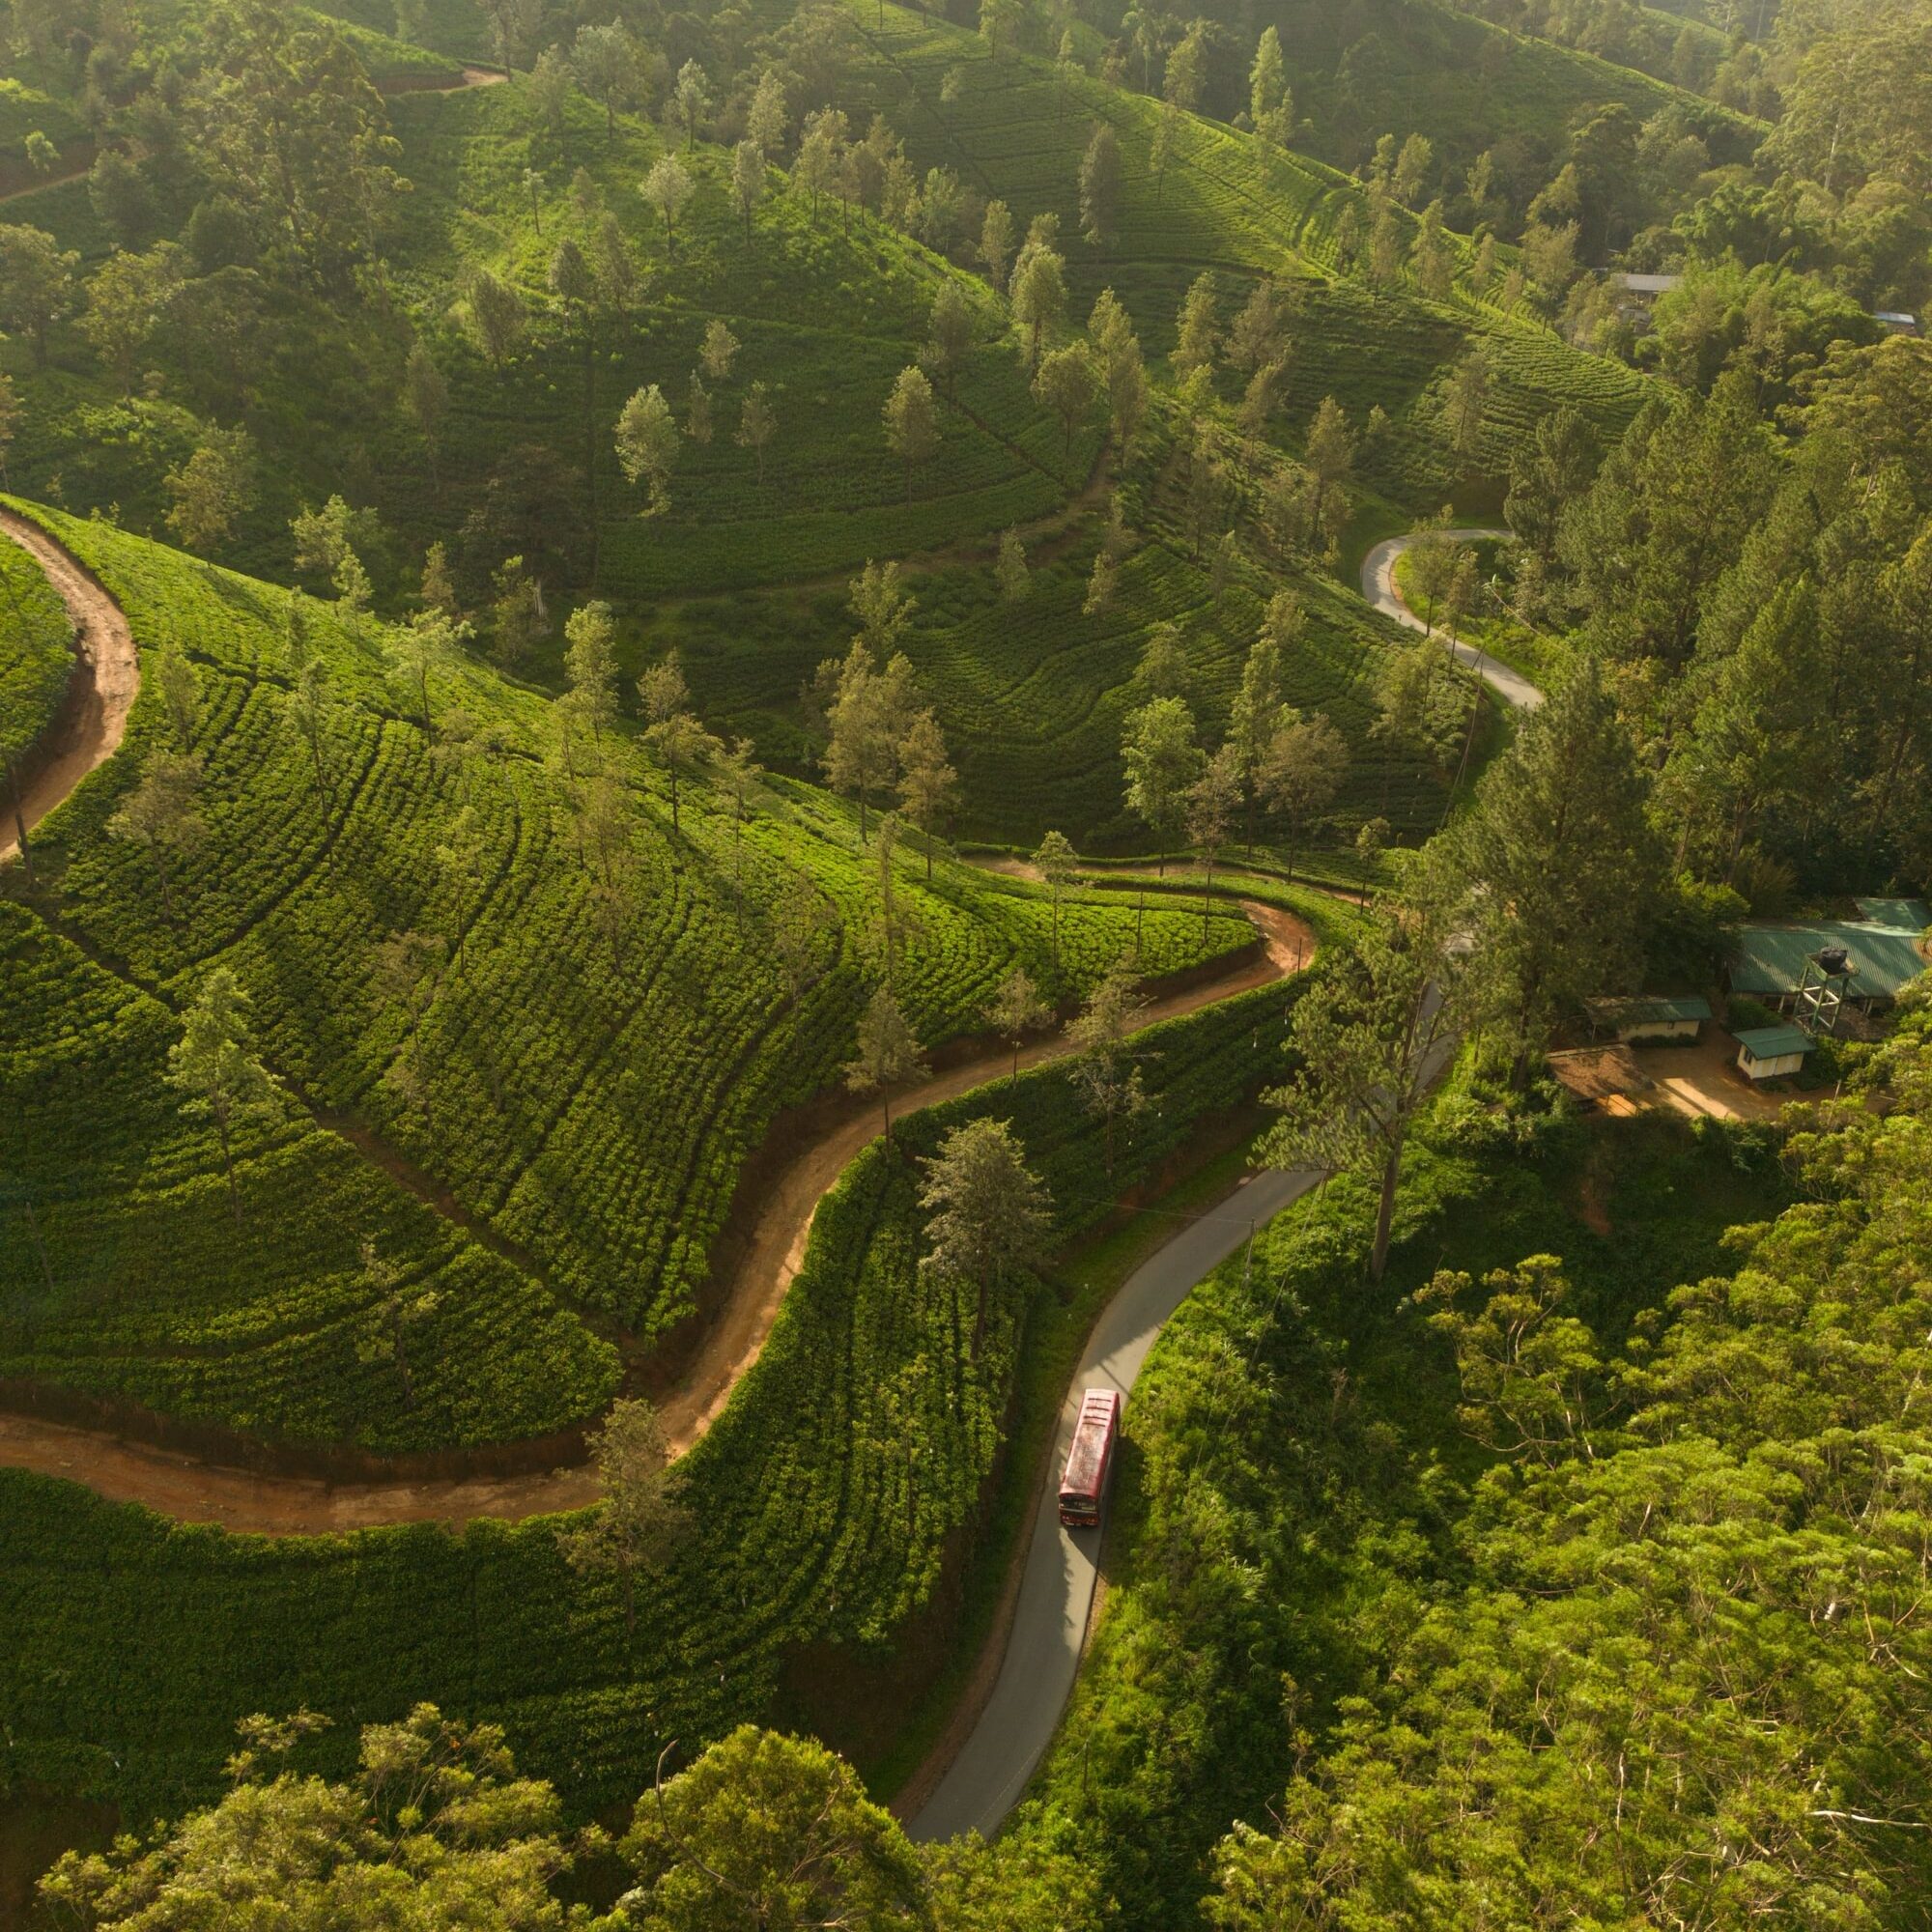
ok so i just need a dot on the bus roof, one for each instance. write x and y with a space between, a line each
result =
1086 1459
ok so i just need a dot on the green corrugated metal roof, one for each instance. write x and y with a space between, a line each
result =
1677 1007
1911 915
1771 958
1773 1042
1650 1009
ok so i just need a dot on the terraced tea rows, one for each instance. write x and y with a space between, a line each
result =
36 655
585 1082
838 1486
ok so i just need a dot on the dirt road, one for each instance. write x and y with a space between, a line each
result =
94 714
193 1491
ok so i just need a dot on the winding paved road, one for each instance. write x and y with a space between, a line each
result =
1042 1656
1036 1674
1042 1651
1378 588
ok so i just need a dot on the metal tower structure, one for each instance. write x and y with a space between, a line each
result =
1823 988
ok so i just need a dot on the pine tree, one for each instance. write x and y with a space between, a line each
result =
639 1518
1015 580
1370 1035
160 814
590 665
912 423
213 1062
1196 336
1057 863
1103 1067
647 442
757 425
1100 186
1559 868
1306 761
928 786
1270 105
889 1052
1162 759
986 1212
1017 1009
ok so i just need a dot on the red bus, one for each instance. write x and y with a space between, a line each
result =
1090 1458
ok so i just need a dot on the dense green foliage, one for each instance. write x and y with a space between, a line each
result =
36 653
1469 86
1693 1581
827 302
392 1043
436 1827
1761 601
1298 1476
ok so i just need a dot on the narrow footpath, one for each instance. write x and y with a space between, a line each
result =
1380 591
107 675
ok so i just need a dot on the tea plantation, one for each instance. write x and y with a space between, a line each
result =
531 987
838 1488
743 572
586 1095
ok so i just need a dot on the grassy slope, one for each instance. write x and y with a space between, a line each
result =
828 319
834 1498
1228 208
747 581
458 29
590 1107
1034 698
36 653
1465 83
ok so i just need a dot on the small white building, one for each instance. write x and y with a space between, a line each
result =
1647 1018
1768 1053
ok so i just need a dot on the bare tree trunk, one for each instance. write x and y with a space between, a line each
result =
228 1162
591 434
1385 1213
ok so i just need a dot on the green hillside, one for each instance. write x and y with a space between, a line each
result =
827 306
582 1054
1470 84
1017 130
